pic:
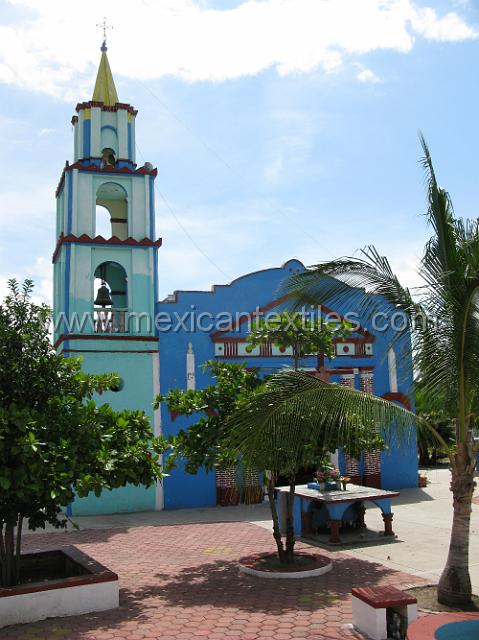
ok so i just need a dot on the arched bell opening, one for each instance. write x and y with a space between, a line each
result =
110 298
103 222
109 145
112 197
108 158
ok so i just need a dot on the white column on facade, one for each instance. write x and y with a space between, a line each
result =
334 458
348 380
372 459
393 376
190 368
133 141
122 132
79 128
95 150
74 200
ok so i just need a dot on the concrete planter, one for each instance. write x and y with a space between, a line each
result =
248 566
88 587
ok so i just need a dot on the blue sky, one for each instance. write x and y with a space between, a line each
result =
280 128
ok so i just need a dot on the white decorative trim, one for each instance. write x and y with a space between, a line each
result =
345 349
286 575
334 458
245 349
393 376
190 368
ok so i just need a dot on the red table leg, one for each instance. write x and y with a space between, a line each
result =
335 526
388 524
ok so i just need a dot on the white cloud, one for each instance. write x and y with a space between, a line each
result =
367 75
56 50
450 28
41 272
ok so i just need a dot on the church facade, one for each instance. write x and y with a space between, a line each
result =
106 310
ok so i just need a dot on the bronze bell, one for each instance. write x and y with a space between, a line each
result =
103 298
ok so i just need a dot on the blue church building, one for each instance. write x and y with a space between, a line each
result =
107 311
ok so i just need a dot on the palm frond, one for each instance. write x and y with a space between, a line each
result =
335 282
297 410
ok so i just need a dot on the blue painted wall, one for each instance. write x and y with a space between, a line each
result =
399 465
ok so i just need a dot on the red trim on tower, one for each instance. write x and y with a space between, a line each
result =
93 167
104 107
114 240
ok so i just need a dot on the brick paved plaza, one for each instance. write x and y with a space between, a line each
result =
181 581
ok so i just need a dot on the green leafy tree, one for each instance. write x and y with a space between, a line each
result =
431 408
444 322
204 443
55 442
293 329
296 419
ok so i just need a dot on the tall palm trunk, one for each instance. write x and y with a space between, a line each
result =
455 583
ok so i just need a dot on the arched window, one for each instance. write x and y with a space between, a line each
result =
109 139
103 222
110 298
108 158
113 197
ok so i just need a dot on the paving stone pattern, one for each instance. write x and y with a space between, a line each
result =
181 582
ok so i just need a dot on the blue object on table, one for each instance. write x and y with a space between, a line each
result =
331 486
313 485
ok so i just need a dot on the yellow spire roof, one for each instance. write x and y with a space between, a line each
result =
105 90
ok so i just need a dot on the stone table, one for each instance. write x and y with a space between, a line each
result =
336 503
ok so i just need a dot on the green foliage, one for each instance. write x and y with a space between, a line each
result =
303 334
430 408
204 443
297 417
54 439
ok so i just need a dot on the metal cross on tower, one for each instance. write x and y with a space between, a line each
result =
103 25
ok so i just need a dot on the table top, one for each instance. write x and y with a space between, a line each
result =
354 493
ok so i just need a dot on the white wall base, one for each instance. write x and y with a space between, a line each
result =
369 620
411 613
372 621
58 603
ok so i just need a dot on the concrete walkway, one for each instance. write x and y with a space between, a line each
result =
422 523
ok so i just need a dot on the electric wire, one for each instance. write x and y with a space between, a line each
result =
234 171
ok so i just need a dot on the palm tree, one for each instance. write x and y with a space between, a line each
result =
295 419
444 321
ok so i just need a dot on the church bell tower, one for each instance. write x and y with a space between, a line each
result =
105 266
